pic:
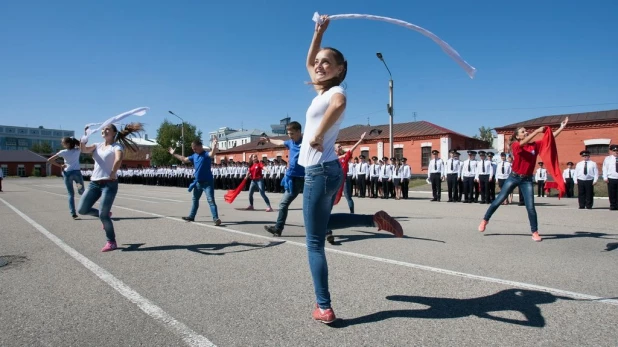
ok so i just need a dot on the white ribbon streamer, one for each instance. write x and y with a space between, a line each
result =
140 111
470 70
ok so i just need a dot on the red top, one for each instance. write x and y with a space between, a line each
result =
524 157
344 164
255 171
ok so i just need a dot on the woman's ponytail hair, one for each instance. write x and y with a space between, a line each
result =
124 136
71 142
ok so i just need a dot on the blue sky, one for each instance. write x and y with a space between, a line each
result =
71 62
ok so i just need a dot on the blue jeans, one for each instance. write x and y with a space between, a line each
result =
526 190
286 200
207 187
321 182
258 184
107 191
347 193
69 178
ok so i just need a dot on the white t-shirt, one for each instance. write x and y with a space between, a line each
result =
71 158
104 160
315 113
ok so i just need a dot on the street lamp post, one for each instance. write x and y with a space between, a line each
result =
182 133
389 107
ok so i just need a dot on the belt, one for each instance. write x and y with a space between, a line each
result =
514 174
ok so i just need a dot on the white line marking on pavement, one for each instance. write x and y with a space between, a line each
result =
509 283
189 336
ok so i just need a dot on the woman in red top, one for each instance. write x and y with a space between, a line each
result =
257 182
525 152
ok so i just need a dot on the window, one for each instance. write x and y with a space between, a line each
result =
598 149
5 171
425 156
366 154
21 171
399 153
37 171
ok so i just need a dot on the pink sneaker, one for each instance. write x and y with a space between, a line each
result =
326 316
483 225
109 246
270 209
536 237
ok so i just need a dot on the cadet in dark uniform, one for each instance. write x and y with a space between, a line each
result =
568 175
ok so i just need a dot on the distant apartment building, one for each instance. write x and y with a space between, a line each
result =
229 138
23 138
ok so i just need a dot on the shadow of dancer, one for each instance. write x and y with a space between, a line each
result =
520 300
577 234
201 248
364 235
611 246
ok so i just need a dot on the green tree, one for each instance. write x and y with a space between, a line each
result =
41 148
168 135
485 134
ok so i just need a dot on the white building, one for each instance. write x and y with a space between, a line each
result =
229 138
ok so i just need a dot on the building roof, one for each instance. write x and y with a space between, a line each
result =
140 141
256 146
574 118
21 156
410 129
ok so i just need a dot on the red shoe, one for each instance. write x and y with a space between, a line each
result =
483 225
326 316
388 223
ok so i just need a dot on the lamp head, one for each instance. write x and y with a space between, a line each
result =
379 55
171 112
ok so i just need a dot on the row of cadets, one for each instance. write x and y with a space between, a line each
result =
228 175
468 175
540 177
568 175
485 177
360 175
503 171
273 173
453 176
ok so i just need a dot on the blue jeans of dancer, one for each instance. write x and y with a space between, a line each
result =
106 190
526 189
258 185
286 200
69 178
347 192
321 182
204 187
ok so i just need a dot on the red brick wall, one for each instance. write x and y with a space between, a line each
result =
29 167
571 141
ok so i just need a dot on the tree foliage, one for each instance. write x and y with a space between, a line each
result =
169 135
42 148
485 134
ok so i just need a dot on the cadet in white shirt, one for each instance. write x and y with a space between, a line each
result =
587 175
610 176
492 181
468 173
435 174
374 176
540 177
503 170
361 174
568 176
405 177
453 168
483 176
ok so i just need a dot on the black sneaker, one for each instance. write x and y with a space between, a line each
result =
330 238
75 216
217 222
271 229
188 219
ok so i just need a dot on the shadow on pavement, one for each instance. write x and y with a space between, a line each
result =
204 248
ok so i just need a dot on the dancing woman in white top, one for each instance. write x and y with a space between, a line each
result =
71 171
108 157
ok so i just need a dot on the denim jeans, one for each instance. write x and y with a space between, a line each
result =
206 187
258 184
286 200
526 190
347 193
321 182
69 178
105 190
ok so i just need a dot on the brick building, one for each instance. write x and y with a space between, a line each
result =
592 131
413 140
22 163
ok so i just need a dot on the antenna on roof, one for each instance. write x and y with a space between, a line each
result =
414 116
368 121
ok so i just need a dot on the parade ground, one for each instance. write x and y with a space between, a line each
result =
177 283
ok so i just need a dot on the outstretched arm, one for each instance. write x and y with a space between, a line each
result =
178 156
214 148
273 141
359 142
562 126
316 43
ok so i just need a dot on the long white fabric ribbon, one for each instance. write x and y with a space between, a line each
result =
140 111
470 70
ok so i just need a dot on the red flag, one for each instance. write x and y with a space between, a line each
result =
549 155
232 194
